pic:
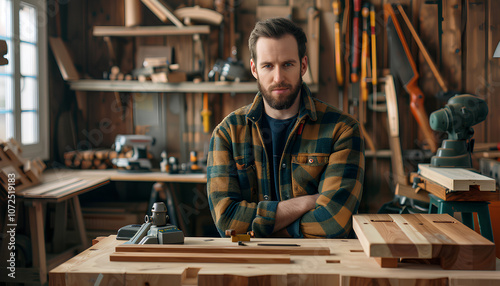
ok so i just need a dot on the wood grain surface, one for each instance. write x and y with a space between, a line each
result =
351 267
424 236
199 257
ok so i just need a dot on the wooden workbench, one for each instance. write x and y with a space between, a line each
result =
347 265
62 187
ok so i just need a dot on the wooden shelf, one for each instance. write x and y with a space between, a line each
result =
182 87
146 31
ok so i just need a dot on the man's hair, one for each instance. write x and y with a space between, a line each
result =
276 28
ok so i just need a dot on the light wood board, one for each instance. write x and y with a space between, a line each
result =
63 59
166 248
424 236
200 257
456 179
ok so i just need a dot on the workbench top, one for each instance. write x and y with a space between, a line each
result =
346 265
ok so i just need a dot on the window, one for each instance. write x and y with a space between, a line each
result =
23 82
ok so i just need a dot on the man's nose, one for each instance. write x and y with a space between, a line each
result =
278 75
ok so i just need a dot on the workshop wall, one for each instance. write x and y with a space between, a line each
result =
92 119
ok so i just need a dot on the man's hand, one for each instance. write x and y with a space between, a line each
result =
290 210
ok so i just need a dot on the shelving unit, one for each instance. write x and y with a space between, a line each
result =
147 31
182 87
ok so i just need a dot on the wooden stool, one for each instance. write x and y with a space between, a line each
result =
466 209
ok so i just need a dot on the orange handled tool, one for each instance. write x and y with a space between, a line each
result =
355 50
374 53
364 54
403 67
338 53
206 113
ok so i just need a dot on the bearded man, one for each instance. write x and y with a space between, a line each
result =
287 165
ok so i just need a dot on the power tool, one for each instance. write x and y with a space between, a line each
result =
457 118
139 160
156 230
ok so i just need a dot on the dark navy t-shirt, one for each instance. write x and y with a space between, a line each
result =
275 133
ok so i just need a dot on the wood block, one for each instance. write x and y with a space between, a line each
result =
424 236
386 262
473 195
456 179
240 237
165 248
199 258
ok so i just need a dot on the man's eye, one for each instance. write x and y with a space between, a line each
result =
266 66
288 64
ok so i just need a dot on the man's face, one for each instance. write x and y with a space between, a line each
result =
278 70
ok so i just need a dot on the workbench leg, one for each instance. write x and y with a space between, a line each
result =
61 223
38 240
80 226
483 217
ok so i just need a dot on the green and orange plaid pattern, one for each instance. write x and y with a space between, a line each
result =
324 153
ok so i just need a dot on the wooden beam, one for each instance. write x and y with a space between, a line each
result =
121 31
199 258
165 248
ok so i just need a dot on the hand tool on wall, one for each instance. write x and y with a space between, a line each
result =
363 84
355 49
374 59
423 50
364 56
404 68
206 113
338 52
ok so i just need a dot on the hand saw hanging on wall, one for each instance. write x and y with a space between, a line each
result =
404 68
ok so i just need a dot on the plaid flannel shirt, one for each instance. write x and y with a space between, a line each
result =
323 154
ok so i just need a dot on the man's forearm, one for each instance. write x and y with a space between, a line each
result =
290 210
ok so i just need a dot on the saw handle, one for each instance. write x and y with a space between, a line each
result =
418 111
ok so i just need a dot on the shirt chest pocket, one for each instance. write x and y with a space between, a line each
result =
247 177
306 172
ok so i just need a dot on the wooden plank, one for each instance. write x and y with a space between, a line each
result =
162 12
146 31
456 179
475 55
473 195
63 59
165 248
199 258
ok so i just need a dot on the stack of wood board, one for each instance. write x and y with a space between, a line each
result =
389 237
27 173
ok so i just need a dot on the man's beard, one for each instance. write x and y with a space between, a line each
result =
276 103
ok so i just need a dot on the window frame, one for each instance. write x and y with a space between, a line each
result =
41 148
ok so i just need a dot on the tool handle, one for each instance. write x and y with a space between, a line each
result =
355 52
374 45
364 54
338 53
418 111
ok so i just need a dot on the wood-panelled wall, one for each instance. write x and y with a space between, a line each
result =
470 34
